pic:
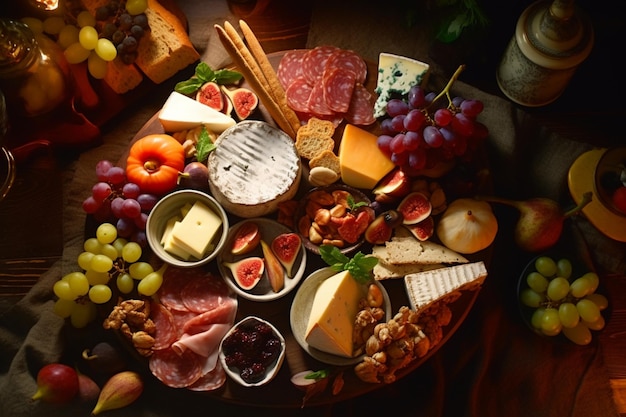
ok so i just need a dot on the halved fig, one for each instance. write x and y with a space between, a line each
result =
395 185
423 230
211 95
246 239
273 268
414 208
286 247
244 101
247 272
380 230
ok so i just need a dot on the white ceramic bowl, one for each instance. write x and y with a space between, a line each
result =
169 206
269 229
270 372
301 310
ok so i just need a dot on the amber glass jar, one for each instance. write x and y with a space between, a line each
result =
34 74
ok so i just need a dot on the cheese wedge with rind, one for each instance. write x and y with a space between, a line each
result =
396 75
427 287
406 250
181 113
333 312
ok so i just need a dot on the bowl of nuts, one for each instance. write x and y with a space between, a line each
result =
335 215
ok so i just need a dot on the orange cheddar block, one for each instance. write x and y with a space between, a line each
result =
362 163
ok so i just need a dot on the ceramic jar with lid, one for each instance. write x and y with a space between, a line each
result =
552 38
34 75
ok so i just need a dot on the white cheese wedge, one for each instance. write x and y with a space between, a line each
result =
333 312
427 287
181 112
253 168
197 230
396 75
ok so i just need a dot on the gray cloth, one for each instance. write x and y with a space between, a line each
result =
492 366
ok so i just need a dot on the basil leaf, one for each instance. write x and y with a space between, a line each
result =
204 72
189 86
204 145
317 375
359 266
332 255
225 76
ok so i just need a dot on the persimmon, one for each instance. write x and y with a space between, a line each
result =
154 163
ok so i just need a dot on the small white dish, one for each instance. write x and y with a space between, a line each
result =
271 371
301 310
269 229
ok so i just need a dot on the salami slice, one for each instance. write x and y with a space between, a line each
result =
314 62
348 60
166 332
361 111
211 380
298 94
173 281
317 103
290 67
176 371
204 293
338 86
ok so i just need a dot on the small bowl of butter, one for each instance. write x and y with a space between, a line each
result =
187 228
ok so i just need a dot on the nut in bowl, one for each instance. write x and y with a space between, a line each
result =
252 352
337 215
187 228
558 296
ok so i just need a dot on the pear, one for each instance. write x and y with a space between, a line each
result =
540 223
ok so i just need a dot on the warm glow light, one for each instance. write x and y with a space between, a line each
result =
47 4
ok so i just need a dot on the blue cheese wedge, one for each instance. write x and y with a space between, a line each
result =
427 287
181 112
333 312
253 168
396 75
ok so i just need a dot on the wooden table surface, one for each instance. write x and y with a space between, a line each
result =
31 214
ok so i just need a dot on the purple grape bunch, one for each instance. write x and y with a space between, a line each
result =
116 200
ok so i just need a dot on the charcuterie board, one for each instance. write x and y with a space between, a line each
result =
280 392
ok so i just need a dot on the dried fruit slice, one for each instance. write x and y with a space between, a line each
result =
247 272
415 207
211 95
246 239
273 267
392 187
380 230
286 247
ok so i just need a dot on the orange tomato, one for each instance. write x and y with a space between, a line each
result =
154 163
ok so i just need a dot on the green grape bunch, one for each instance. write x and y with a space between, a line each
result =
561 302
107 262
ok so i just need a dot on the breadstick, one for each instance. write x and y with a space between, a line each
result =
251 72
276 89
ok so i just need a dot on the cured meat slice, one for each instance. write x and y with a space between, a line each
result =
317 103
166 331
314 62
298 94
290 67
224 313
174 370
348 60
361 111
211 380
203 343
204 292
173 281
338 86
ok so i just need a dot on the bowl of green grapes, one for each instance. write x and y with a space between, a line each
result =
558 297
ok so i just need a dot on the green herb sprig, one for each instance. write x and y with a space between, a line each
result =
205 74
204 145
359 266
